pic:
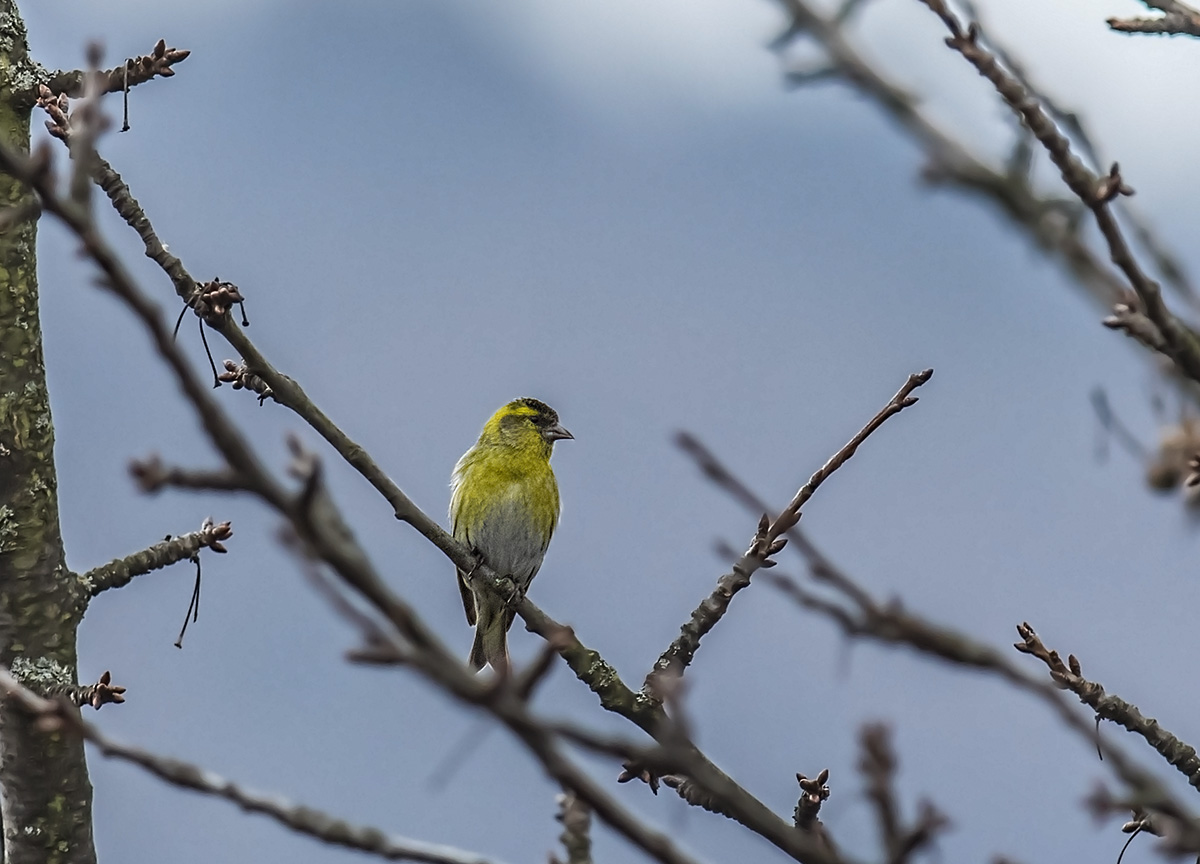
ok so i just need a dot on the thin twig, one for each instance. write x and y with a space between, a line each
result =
1096 193
122 571
427 655
771 535
950 162
304 820
1069 676
1113 425
1178 19
138 70
332 541
877 763
814 791
50 680
576 819
861 616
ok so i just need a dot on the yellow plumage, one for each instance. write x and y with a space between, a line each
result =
504 505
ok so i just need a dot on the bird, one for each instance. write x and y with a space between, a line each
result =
504 505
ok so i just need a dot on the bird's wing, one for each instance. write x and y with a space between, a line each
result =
455 501
467 597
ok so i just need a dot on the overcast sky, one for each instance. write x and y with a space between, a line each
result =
435 207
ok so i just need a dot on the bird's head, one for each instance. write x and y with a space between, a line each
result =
523 421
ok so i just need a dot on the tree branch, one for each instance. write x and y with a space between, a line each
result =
1094 192
315 519
119 573
1069 676
951 162
588 666
861 616
576 819
134 71
1178 19
877 763
282 389
768 541
304 820
51 680
1054 225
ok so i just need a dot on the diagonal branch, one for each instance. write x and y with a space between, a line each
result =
861 616
134 71
315 519
119 573
1053 224
950 162
1069 676
725 795
878 763
1178 19
576 819
50 680
305 820
1096 193
588 666
772 534
282 388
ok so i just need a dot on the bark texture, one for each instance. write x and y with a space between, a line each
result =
46 799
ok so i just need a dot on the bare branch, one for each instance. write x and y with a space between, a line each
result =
769 540
1130 320
877 763
860 616
136 70
1096 193
119 573
153 475
258 374
131 211
951 162
1053 225
813 793
304 820
892 624
1069 676
103 692
330 539
50 680
903 399
576 820
1178 19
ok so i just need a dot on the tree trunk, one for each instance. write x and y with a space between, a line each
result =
46 801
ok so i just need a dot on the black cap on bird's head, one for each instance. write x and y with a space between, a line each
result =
540 415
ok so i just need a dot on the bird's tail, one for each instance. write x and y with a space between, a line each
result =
491 633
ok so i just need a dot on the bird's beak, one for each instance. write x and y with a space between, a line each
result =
557 433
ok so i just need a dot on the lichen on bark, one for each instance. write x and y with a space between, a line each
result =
45 795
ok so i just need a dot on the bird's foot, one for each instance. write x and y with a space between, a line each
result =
470 574
516 595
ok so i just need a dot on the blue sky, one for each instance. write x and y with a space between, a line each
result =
615 207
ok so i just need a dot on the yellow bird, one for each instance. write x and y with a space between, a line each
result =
504 505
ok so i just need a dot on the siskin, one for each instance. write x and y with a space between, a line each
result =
504 505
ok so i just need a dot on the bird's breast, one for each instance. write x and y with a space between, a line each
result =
512 531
